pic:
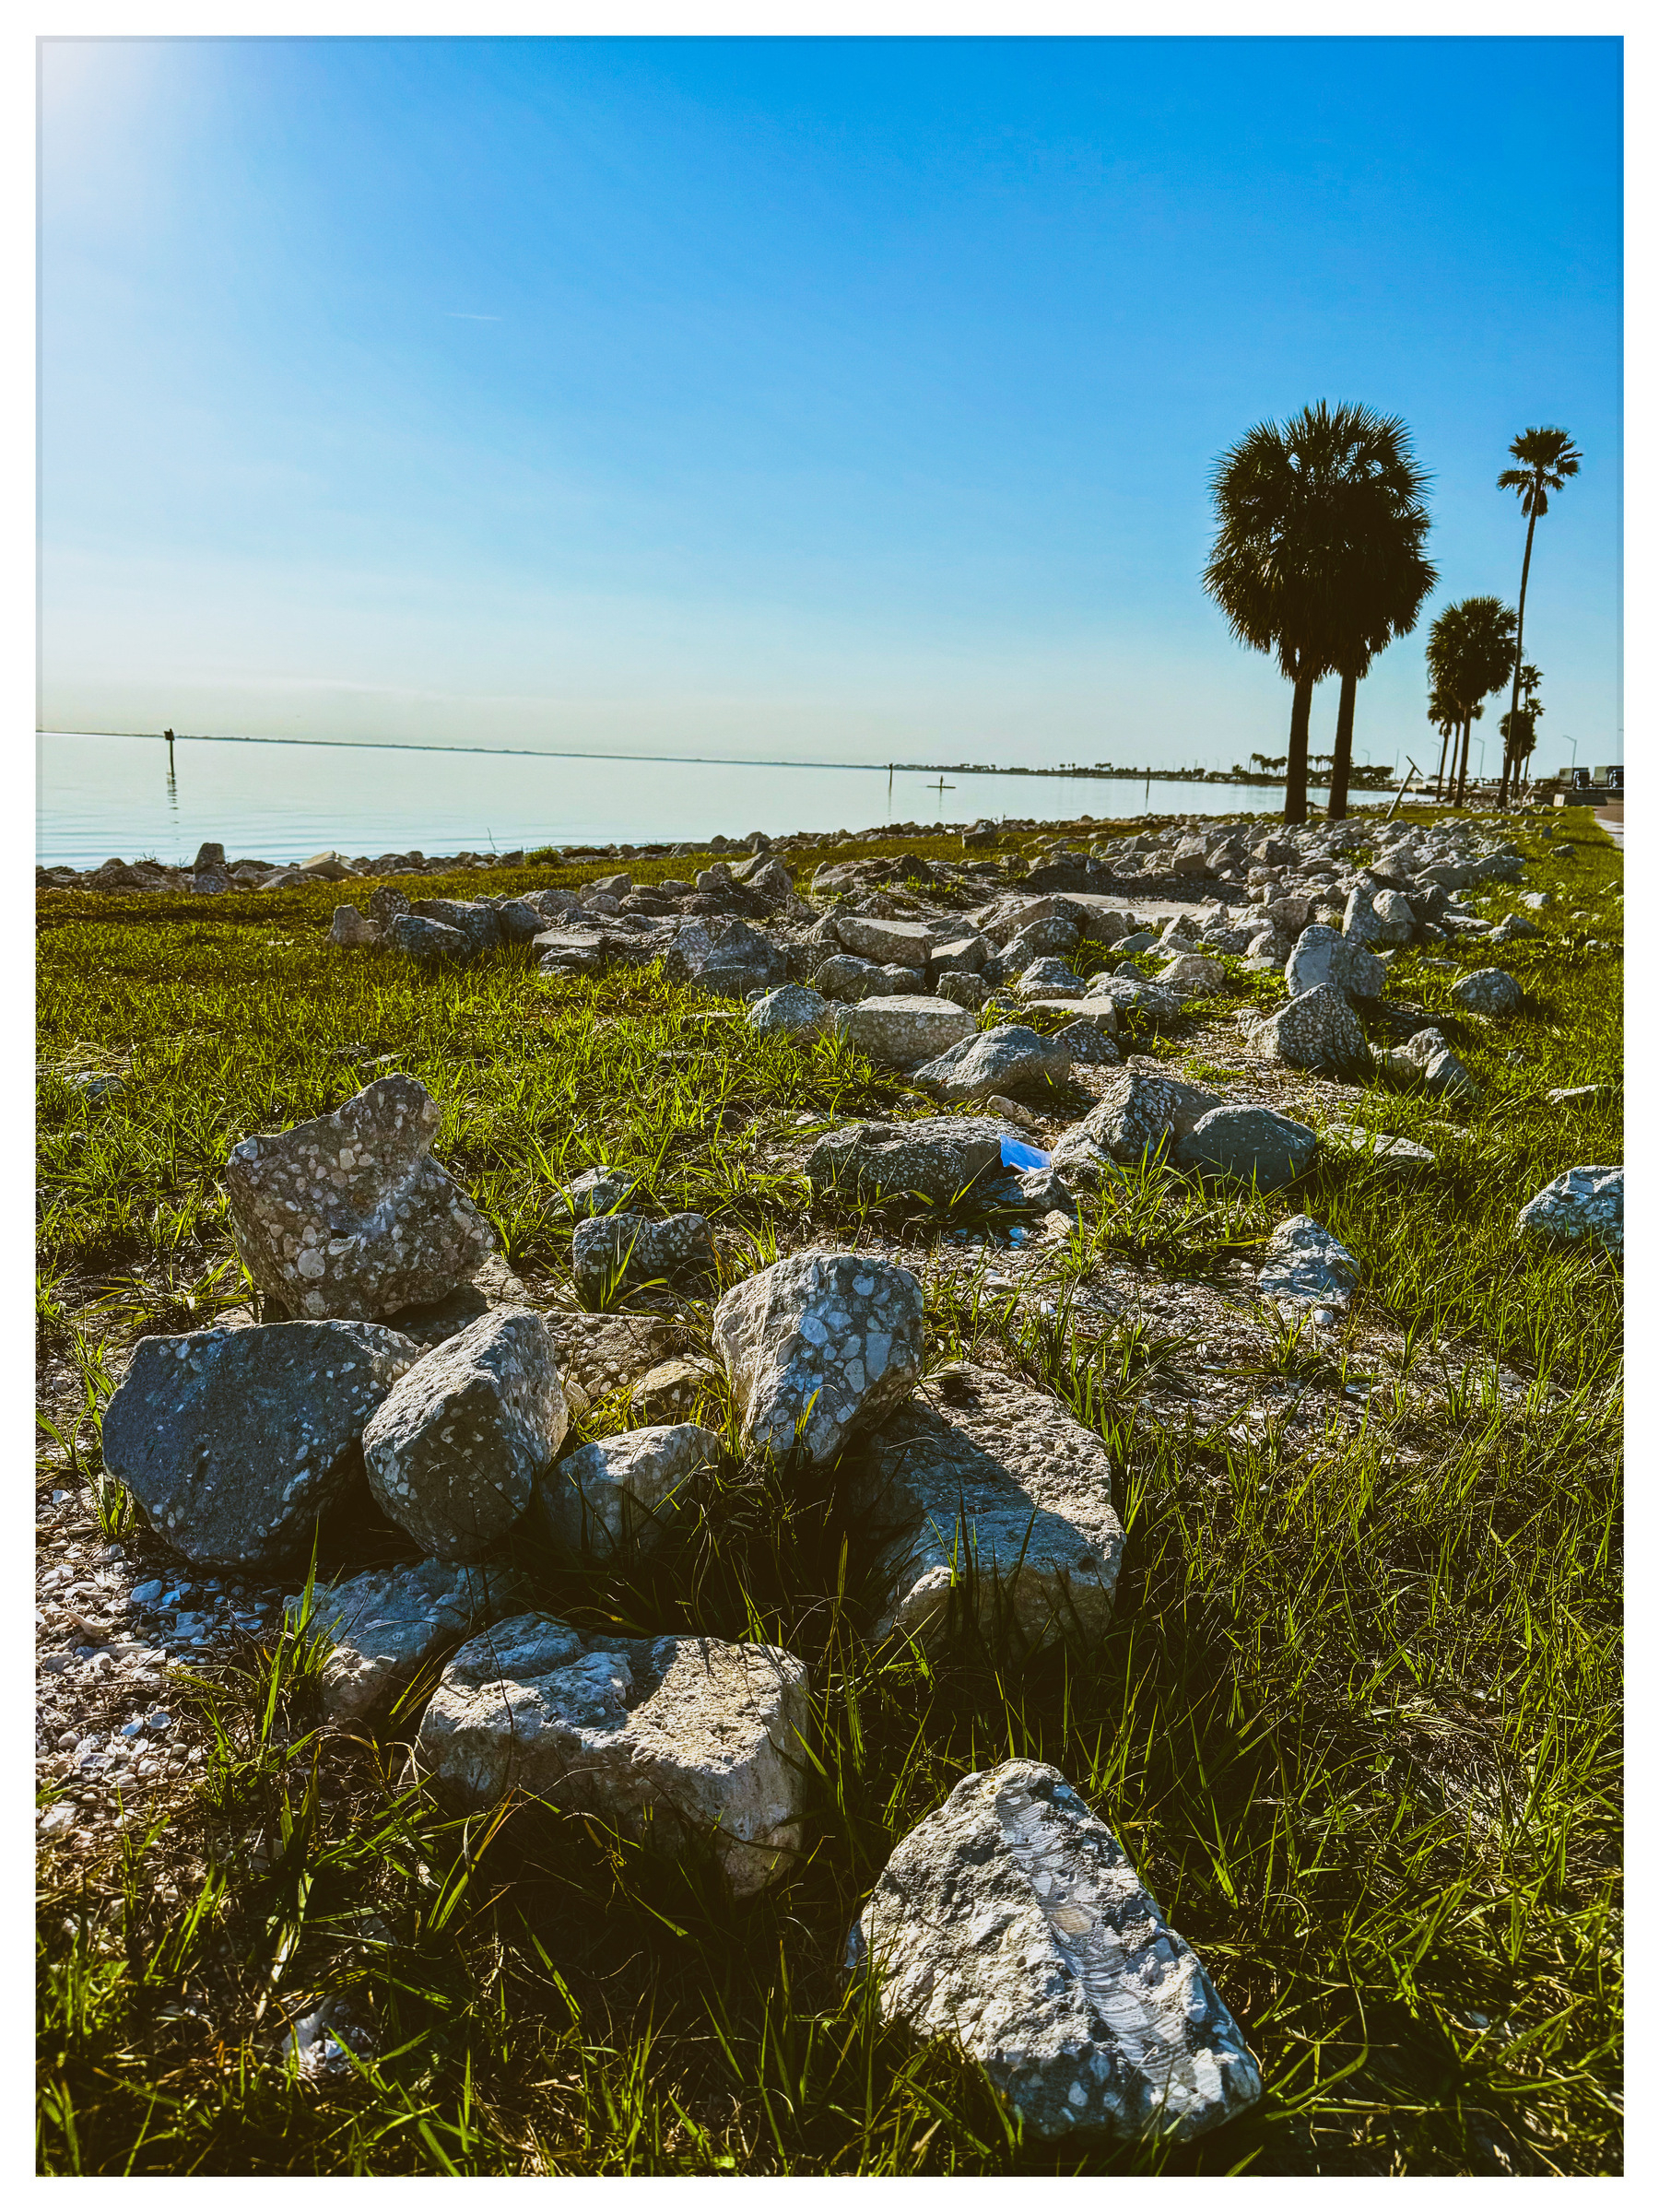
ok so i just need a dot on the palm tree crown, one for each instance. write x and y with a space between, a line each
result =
1548 458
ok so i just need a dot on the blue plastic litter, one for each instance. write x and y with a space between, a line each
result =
1023 1156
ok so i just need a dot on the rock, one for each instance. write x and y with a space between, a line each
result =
382 1627
1378 917
234 1441
598 1354
901 1031
1032 1488
594 1192
349 1215
1049 938
1012 1922
963 989
1098 1013
1088 1042
617 1497
936 1160
677 1737
1497 867
962 956
1138 1113
476 922
209 861
1487 990
905 982
1014 1060
1511 927
1191 858
1322 958
1194 976
1132 993
1577 1094
725 957
1304 1262
424 940
1426 1059
844 976
817 1343
628 1252
1585 1206
791 1011
904 943
667 1392
1250 1143
520 923
1289 916
454 1450
1050 978
352 930
1317 1030
1346 1141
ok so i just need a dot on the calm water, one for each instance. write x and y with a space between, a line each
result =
101 798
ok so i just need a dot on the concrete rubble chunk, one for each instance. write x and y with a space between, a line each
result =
598 1354
1138 1113
1251 1144
235 1440
1193 975
1323 956
1487 990
476 920
898 943
683 1738
1050 977
791 1011
816 1344
1013 1061
348 1216
1585 1206
617 1497
595 1191
427 940
937 1161
454 1450
993 1487
626 1251
382 1628
726 957
1305 1263
1427 1060
352 930
1316 1031
1012 1922
1346 1141
903 1030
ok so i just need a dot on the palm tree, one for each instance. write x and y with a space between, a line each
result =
1447 718
1548 458
1520 725
1470 653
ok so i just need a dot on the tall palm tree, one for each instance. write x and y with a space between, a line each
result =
1548 457
1446 716
1471 653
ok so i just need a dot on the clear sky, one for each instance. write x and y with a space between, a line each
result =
798 398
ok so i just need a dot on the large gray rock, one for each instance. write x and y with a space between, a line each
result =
791 1011
382 1628
348 1215
1316 1031
817 1344
1193 975
1305 1263
1487 990
1050 977
902 1030
959 956
453 1452
726 957
1323 958
352 930
1250 1143
1088 1041
473 917
1425 1059
1373 916
617 1497
599 1354
626 1251
938 1160
1585 1205
1138 1113
426 940
1511 927
1129 994
674 1736
1012 1922
994 1490
846 977
1013 1062
234 1441
898 943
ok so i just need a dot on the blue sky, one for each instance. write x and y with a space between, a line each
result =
814 399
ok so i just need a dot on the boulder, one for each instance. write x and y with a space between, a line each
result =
1316 1031
1013 1061
382 1628
386 904
960 956
791 1011
1193 975
424 940
846 977
1585 1205
1050 934
519 922
1289 916
725 957
1138 1113
1305 1263
817 1344
963 989
1250 1143
1191 859
617 1497
1011 1922
626 1252
1324 959
1373 916
1497 867
899 944
474 918
904 1030
992 1487
351 930
234 1441
1511 927
678 1738
1098 1013
1130 992
1050 977
599 1354
455 1449
1088 1042
936 1160
1425 1059
348 1215
1487 990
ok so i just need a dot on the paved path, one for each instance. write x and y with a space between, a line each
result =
1614 827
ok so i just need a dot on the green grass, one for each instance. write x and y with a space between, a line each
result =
1357 1720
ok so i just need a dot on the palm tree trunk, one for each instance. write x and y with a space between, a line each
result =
1342 756
1531 523
1296 765
1439 773
1463 764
